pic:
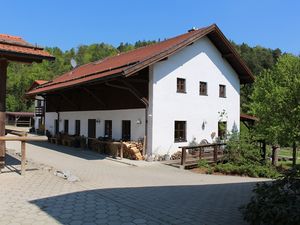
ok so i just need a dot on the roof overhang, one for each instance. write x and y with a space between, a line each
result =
212 32
218 39
23 57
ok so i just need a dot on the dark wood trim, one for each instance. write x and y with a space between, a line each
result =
69 100
94 96
24 57
3 76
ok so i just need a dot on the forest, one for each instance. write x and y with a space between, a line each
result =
21 76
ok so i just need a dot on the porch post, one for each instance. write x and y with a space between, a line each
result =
3 74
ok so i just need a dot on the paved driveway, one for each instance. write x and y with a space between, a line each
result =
115 193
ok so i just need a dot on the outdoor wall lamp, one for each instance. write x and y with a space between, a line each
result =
139 121
203 124
98 120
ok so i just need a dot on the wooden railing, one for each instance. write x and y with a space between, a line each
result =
23 140
200 150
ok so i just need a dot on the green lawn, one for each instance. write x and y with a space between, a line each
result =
288 152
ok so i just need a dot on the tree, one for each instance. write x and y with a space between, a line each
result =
276 102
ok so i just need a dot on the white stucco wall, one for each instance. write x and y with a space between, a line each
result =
137 130
200 61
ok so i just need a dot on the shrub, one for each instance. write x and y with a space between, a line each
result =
275 203
202 163
250 170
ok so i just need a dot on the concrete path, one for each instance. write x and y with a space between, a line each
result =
115 193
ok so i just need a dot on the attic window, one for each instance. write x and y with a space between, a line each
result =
222 91
203 88
181 85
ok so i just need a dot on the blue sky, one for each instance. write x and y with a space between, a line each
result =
67 24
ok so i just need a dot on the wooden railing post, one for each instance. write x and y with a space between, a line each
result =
183 156
121 150
215 153
23 157
200 152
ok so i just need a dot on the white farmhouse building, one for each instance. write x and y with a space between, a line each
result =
171 92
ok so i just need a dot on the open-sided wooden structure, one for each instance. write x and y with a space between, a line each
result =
14 49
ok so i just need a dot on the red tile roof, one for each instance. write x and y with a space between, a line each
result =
246 117
36 83
23 114
14 47
130 62
40 82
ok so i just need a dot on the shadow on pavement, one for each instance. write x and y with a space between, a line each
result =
192 205
77 152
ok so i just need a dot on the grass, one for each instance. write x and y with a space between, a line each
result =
287 152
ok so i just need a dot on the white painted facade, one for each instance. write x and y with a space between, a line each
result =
136 116
200 61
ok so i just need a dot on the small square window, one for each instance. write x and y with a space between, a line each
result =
180 131
181 85
222 91
203 88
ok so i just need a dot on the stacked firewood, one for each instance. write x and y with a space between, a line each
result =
133 150
176 155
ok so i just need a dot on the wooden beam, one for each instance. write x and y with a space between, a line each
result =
68 100
3 75
227 55
136 92
94 96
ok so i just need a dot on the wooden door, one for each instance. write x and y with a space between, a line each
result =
56 126
126 130
91 130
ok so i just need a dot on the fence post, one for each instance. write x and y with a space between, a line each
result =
200 152
23 157
215 153
183 157
121 150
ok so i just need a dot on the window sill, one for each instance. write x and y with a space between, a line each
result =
222 96
181 92
179 141
203 94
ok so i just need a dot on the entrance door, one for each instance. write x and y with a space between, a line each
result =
91 130
56 126
126 132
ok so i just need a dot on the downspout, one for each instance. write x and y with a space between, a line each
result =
144 101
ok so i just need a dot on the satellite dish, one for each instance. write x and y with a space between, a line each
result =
73 63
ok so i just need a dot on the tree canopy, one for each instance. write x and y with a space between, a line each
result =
276 101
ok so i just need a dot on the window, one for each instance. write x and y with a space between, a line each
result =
108 128
66 126
222 128
180 131
126 130
56 126
77 127
39 103
181 85
203 88
222 91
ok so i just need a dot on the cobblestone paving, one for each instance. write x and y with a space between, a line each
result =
114 193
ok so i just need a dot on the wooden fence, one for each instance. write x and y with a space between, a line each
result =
210 152
23 140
